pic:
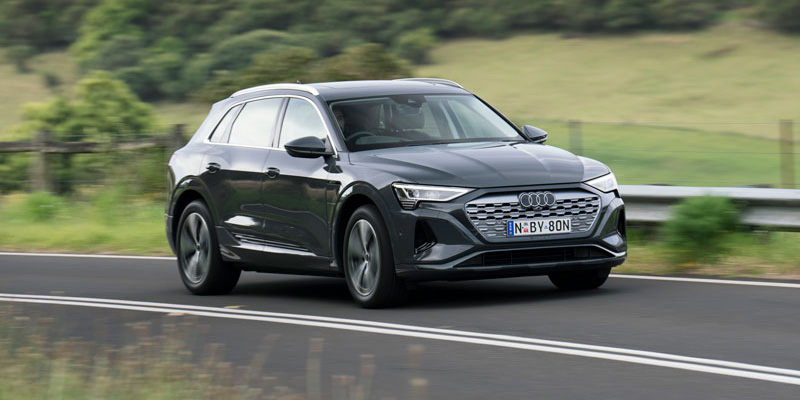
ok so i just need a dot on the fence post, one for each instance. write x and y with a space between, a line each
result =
176 139
42 179
787 153
575 137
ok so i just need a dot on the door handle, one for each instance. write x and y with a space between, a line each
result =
272 172
213 167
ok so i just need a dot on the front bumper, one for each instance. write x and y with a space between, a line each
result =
439 241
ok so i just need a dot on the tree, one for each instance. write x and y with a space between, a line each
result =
784 15
366 61
626 14
684 14
104 109
287 65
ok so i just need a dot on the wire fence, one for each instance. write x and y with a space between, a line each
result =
751 154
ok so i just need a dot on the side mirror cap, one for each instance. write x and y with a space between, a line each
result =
307 147
534 134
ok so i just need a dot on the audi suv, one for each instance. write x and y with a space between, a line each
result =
385 183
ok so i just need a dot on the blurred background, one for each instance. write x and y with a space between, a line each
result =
96 94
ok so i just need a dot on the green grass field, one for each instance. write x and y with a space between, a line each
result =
104 225
726 74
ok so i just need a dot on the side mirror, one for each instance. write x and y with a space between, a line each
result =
535 134
307 147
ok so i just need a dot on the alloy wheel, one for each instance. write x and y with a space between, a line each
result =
363 257
195 248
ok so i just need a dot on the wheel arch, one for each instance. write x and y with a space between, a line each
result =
351 199
187 192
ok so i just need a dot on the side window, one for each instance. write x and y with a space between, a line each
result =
301 120
255 125
220 132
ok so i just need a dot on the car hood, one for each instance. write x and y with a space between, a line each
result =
486 164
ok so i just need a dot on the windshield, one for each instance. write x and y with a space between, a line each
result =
410 120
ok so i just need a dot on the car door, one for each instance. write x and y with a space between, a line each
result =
294 197
235 174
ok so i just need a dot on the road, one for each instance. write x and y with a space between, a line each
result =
506 338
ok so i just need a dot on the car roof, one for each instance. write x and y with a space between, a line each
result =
331 91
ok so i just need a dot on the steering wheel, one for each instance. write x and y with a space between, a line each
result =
359 135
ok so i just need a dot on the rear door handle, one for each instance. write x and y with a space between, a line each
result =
272 172
213 167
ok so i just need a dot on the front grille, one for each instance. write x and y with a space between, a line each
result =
536 256
489 214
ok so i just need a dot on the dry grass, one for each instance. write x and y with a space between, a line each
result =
161 363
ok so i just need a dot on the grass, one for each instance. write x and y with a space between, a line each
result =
729 73
166 362
17 88
746 254
116 225
101 226
648 154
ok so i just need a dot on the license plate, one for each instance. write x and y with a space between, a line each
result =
538 226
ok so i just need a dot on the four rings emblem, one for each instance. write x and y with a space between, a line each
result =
537 200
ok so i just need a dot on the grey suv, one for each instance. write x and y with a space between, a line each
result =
385 182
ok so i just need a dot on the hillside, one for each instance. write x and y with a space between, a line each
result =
695 108
730 73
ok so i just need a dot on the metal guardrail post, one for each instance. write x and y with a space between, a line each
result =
787 153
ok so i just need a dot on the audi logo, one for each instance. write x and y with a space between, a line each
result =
537 200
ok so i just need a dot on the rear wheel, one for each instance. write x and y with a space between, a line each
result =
368 262
199 263
580 280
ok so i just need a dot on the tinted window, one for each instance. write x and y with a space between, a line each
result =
255 125
301 120
409 120
223 126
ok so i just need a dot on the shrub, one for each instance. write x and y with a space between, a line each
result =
414 45
41 206
699 227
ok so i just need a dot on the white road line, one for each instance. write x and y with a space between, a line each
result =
623 276
712 366
716 281
108 256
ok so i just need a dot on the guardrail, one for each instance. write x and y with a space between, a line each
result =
774 209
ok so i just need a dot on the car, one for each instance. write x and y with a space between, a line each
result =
385 183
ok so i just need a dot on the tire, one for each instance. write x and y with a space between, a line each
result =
199 263
580 280
368 262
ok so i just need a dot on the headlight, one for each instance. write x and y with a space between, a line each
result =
410 195
606 183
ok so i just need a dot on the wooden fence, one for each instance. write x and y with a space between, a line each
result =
44 146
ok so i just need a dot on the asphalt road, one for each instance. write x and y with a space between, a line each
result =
545 348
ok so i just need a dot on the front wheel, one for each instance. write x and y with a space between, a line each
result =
199 263
580 280
368 262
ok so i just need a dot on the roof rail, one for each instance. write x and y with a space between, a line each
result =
435 81
278 86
